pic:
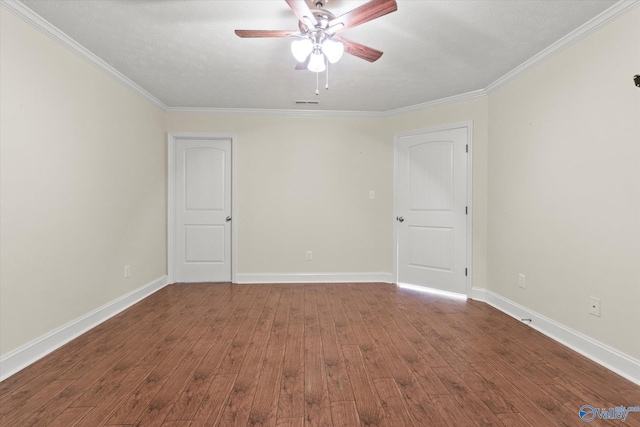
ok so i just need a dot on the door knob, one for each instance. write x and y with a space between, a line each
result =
400 219
228 219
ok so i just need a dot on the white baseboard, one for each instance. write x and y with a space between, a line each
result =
247 278
27 354
618 362
478 294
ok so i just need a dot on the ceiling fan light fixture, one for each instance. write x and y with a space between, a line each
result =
316 62
301 48
333 50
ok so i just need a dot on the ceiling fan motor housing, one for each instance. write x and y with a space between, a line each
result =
323 17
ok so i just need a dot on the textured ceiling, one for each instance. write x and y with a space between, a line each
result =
185 53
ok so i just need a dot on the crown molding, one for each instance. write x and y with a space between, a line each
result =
275 112
576 35
330 113
437 103
54 33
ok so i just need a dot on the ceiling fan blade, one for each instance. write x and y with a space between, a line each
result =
365 13
361 51
264 33
302 11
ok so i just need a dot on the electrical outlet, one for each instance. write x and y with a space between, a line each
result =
309 256
127 271
522 280
594 306
372 195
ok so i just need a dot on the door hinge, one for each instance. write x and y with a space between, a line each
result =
466 210
467 148
465 271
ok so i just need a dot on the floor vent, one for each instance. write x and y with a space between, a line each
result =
303 102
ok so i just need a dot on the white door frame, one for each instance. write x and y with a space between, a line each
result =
469 127
171 195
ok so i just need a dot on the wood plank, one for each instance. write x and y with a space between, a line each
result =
490 391
536 405
195 390
419 403
164 400
466 398
393 403
268 313
116 396
367 314
370 410
514 393
176 424
265 401
337 377
317 410
291 401
322 301
408 351
46 413
236 412
142 397
394 365
96 392
345 414
311 318
215 400
341 321
281 317
290 422
450 410
21 409
376 365
296 312
510 419
418 339
70 417
234 355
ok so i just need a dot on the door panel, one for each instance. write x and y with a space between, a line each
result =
431 247
204 179
204 243
431 194
202 205
431 176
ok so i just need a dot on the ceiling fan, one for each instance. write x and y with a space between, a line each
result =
317 42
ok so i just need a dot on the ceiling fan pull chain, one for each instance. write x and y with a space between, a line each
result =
327 84
317 82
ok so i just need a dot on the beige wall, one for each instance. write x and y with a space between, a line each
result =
564 193
82 186
303 184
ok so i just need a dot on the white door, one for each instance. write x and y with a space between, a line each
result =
431 197
202 183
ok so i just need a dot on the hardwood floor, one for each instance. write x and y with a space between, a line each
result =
311 355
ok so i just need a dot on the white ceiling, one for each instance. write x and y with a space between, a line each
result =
185 52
